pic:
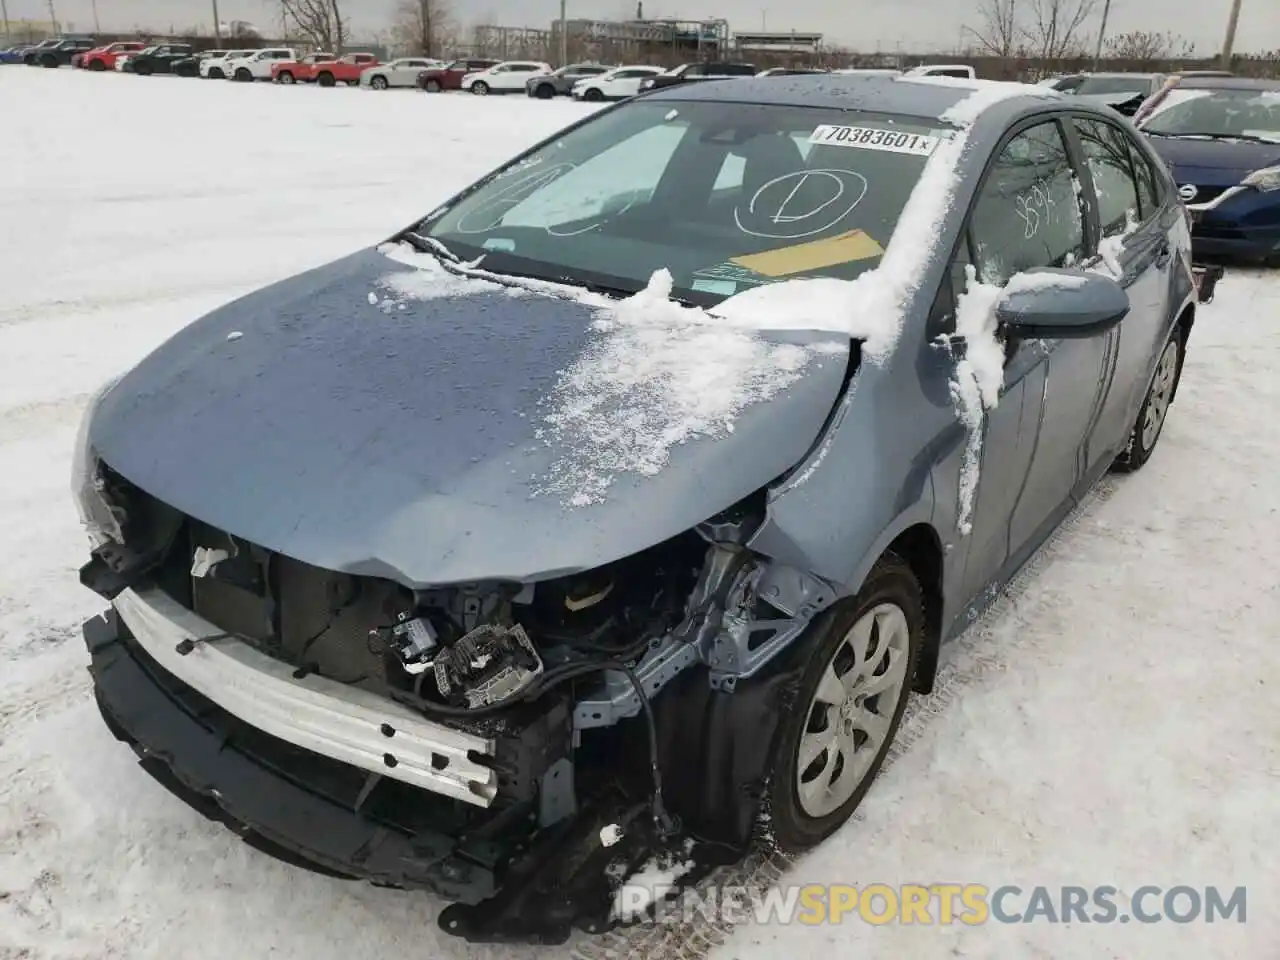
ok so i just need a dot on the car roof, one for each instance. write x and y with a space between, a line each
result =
1227 83
928 97
1119 75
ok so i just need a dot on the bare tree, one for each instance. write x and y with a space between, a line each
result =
1055 30
999 31
1150 46
425 27
319 22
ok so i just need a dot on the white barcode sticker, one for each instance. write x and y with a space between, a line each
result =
870 138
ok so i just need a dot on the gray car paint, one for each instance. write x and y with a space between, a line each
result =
887 463
404 444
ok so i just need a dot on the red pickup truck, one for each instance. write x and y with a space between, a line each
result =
345 69
300 71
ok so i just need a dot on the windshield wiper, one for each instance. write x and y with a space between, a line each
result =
425 244
1247 137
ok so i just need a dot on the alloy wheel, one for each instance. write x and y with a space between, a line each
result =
852 709
1160 394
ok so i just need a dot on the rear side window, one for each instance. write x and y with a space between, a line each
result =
1108 159
1028 213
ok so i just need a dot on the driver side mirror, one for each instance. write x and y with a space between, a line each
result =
1056 304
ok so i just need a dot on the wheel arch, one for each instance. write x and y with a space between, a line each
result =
1186 320
920 548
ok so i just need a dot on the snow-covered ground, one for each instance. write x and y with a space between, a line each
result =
1113 723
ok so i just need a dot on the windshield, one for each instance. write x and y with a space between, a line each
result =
1104 85
1252 114
724 195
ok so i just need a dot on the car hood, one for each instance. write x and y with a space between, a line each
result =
1214 162
409 439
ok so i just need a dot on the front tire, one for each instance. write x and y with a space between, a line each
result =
594 94
1155 407
48 62
545 91
480 88
432 86
853 691
97 66
378 83
142 69
216 74
285 77
243 75
326 80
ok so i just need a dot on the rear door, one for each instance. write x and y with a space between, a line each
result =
1126 199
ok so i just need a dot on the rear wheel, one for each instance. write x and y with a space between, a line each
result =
378 83
852 694
480 88
1155 407
326 79
284 76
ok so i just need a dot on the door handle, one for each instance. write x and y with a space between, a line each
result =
1164 253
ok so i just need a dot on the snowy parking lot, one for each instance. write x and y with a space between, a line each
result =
1113 722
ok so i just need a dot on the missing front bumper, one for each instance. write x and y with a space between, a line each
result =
306 806
328 718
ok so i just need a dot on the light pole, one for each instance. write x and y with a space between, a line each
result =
217 24
1102 33
4 11
97 27
53 17
1228 45
564 35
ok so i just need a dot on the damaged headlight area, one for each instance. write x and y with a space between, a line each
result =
102 519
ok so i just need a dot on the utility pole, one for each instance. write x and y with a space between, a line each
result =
217 24
97 27
4 12
1102 33
53 17
564 35
1228 45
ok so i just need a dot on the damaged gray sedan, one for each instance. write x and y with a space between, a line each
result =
617 507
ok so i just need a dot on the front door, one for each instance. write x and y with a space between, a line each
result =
1029 214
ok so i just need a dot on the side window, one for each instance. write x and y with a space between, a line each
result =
694 70
1150 185
1028 213
1106 155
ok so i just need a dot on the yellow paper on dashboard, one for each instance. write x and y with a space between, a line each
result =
816 254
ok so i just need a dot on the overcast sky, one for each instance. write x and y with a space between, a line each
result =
863 24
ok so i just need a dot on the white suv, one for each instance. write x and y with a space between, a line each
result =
258 66
215 68
508 77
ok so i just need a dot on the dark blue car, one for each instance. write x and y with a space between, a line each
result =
1221 139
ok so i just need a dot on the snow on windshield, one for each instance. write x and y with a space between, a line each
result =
661 373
